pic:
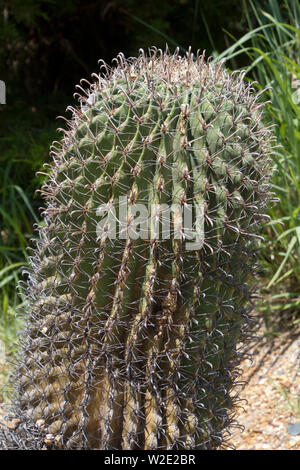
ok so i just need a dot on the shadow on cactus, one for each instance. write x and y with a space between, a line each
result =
132 334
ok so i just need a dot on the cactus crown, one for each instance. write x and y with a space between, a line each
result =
131 337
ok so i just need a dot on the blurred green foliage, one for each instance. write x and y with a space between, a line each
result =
272 46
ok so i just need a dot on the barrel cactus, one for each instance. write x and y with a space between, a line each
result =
133 336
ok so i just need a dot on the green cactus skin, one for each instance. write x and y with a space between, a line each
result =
132 343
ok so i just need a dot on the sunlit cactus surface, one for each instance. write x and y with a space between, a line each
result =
138 292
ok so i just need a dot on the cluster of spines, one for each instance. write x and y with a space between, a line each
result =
131 343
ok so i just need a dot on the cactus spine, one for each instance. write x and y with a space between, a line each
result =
131 341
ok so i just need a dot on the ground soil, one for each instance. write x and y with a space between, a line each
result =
272 395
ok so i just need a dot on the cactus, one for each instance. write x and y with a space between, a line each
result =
131 341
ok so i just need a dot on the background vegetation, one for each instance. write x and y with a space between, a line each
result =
47 46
